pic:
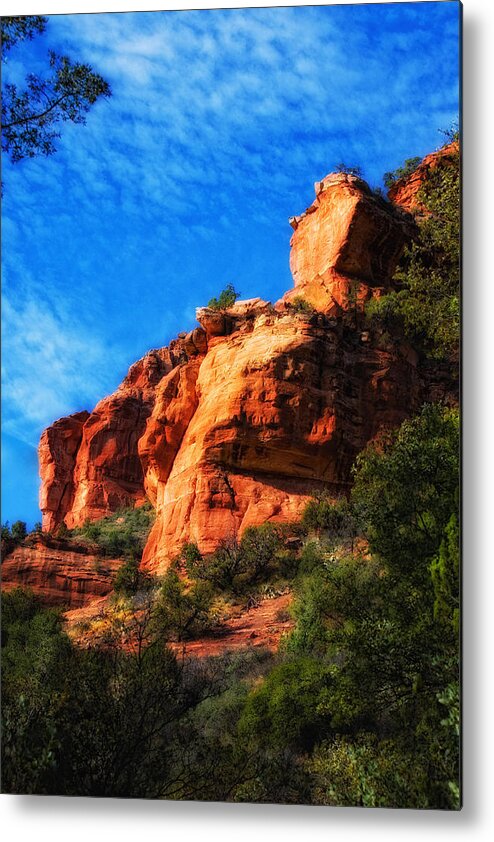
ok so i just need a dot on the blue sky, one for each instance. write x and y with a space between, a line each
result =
219 124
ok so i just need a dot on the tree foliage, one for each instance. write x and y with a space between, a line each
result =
387 626
31 116
360 706
15 29
12 535
351 170
120 535
226 298
405 489
426 302
302 306
239 565
410 165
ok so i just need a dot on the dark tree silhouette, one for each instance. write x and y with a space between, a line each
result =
30 116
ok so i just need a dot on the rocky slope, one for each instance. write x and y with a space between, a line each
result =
60 572
241 420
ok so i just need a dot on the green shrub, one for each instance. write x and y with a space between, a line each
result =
289 706
336 517
408 168
12 535
300 305
361 771
356 171
181 610
226 298
237 565
129 579
119 535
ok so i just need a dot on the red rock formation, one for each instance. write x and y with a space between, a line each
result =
345 245
404 191
61 572
281 411
239 421
176 402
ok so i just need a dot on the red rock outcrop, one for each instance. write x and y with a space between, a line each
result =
57 454
239 421
281 411
345 245
404 191
89 462
60 572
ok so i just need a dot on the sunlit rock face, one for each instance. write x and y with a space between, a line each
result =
346 245
57 453
239 421
280 412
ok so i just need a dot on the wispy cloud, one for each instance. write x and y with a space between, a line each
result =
49 367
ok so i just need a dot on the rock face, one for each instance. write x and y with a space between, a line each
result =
346 245
59 571
239 421
57 453
280 411
404 191
89 462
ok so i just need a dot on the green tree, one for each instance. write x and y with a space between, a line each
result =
289 708
445 572
19 530
101 722
405 490
30 116
226 298
366 772
34 665
15 29
182 610
129 579
386 628
335 517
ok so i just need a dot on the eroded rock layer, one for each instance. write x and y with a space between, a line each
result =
89 462
60 572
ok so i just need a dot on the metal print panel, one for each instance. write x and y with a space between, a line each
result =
242 580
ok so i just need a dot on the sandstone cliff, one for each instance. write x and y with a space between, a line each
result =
241 420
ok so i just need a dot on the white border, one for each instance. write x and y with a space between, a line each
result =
45 818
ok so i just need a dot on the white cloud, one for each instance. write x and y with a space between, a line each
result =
49 368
